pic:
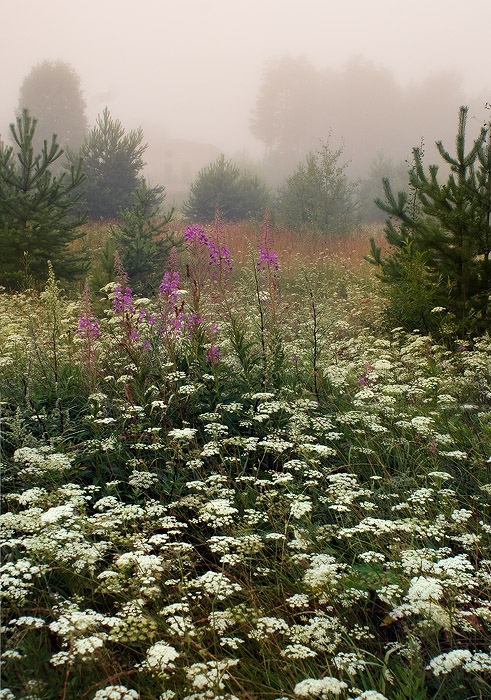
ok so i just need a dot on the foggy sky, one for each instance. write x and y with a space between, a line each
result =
192 68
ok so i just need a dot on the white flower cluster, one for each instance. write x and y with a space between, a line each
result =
215 585
210 676
319 687
218 513
17 579
182 433
116 692
42 459
160 658
324 572
300 507
267 627
143 480
471 662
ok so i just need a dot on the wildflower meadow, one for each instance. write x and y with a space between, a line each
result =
243 487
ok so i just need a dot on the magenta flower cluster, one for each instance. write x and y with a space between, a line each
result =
267 259
169 285
88 326
218 256
123 299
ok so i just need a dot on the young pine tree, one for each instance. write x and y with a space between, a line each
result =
112 161
444 236
143 240
238 194
36 221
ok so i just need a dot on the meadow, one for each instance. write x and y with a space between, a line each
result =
247 487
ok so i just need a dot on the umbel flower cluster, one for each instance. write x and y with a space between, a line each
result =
232 491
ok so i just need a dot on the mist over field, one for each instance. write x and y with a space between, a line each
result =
201 77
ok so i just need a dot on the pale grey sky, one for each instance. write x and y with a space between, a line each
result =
193 67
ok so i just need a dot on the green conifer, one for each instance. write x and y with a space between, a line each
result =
36 221
444 232
143 240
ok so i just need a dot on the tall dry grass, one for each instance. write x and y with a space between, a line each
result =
244 236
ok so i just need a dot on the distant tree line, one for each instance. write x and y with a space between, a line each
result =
359 105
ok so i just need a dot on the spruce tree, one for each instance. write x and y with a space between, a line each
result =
36 222
143 240
443 231
238 194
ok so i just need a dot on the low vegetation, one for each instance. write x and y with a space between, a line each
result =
242 487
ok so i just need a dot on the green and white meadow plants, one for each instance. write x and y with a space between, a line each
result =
195 506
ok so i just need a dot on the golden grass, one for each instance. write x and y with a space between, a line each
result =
243 237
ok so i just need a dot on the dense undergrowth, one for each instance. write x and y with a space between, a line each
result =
242 488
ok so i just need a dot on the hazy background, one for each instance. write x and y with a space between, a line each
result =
192 69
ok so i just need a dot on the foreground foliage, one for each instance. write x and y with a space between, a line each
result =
240 489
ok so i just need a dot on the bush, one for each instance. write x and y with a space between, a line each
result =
238 194
318 196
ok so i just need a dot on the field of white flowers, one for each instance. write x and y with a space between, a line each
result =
242 488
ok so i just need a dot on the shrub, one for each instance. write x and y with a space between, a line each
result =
318 195
237 194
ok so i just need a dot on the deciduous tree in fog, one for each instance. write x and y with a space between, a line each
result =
286 118
360 106
319 196
112 161
52 94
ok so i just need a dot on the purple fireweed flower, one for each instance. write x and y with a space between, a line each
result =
195 235
123 293
267 259
88 325
213 355
218 255
169 285
170 314
123 299
177 321
194 320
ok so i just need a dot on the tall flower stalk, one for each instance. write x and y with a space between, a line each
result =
88 329
266 269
